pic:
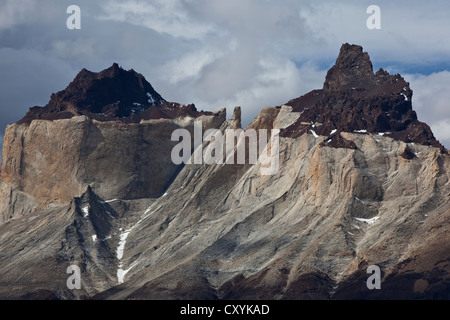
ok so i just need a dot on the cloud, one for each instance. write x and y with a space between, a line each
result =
442 132
276 82
164 16
431 101
30 84
411 36
15 12
190 66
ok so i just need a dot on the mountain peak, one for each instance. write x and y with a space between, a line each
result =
355 99
353 68
115 70
111 94
112 88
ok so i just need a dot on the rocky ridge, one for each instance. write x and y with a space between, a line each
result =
355 99
112 94
352 190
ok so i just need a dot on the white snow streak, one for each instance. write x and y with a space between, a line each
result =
123 240
86 211
150 98
109 201
369 221
314 133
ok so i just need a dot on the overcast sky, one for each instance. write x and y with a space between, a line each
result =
222 53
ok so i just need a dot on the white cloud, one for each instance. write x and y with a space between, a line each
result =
164 16
442 131
431 101
276 82
189 67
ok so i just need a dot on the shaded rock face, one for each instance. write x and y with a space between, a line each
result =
355 99
103 195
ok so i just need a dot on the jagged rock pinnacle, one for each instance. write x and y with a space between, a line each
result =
355 99
353 68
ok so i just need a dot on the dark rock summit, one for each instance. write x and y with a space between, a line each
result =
353 69
112 94
355 99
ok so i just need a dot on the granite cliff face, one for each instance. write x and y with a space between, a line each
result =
81 138
87 182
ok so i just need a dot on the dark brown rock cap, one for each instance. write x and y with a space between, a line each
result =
112 94
353 68
355 99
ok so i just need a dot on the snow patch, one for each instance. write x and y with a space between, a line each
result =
122 242
333 132
109 201
360 131
150 98
369 221
314 133
121 274
94 237
119 253
85 211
